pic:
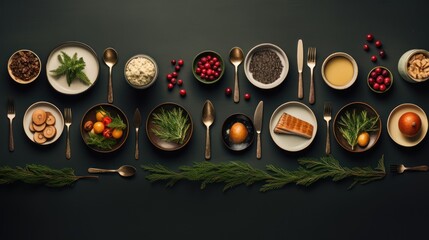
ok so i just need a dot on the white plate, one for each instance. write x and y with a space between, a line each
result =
283 59
290 142
91 69
392 125
49 107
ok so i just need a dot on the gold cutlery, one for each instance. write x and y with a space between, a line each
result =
110 57
311 63
124 171
137 123
300 62
400 168
327 115
236 56
257 119
68 121
11 116
208 119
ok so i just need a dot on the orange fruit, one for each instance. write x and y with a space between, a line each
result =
363 139
117 133
98 127
100 115
238 133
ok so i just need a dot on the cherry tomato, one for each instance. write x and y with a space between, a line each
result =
107 133
107 120
100 115
117 133
98 127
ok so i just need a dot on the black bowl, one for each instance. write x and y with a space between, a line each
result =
227 125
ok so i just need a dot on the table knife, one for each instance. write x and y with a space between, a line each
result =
257 120
137 123
300 63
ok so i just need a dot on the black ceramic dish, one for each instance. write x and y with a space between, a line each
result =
250 129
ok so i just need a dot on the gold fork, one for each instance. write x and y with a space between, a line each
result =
68 122
311 63
327 112
400 168
11 116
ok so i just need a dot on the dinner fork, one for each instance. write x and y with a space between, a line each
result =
327 112
68 122
11 116
311 63
400 168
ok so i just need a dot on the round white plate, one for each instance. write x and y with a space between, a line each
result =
92 67
48 107
290 142
392 125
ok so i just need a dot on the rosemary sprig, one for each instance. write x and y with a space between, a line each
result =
100 141
171 125
39 174
72 67
116 121
353 124
237 173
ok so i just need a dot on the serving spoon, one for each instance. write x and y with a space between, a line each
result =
124 171
208 119
236 56
110 57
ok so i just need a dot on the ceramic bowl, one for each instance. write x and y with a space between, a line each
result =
380 79
339 70
19 63
228 123
199 70
258 77
407 59
141 71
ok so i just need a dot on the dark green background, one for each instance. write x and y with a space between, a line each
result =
116 208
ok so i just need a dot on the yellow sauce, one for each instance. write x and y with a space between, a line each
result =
339 71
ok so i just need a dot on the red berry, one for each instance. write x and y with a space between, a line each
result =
376 86
174 74
366 47
387 81
228 91
247 96
170 86
369 37
378 44
203 59
380 79
371 81
180 62
180 82
182 92
382 53
378 70
173 62
373 58
173 81
169 76
382 87
177 68
385 73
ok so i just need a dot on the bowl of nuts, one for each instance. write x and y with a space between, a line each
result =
208 67
141 71
413 66
379 79
24 66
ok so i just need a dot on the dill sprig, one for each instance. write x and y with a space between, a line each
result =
239 173
171 125
353 124
72 67
39 174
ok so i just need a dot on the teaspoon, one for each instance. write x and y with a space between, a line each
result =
124 171
110 57
208 119
236 56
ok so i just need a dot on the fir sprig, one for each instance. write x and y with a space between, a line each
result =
72 67
39 174
353 124
171 125
239 173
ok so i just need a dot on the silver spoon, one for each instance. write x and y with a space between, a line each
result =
110 57
124 171
236 56
208 119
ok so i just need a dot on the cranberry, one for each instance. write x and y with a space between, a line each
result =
247 96
182 92
180 62
371 80
366 47
387 81
382 87
209 72
203 59
385 73
228 91
173 81
177 68
369 37
170 86
378 70
174 74
169 76
373 58
373 74
173 62
378 44
380 79
180 82
198 70
207 66
382 53
376 86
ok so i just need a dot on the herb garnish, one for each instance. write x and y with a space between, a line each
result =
100 141
72 67
39 174
354 124
171 125
236 173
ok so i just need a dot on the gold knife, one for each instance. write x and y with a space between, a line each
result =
257 120
137 123
300 62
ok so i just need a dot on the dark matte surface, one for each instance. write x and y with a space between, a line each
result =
115 208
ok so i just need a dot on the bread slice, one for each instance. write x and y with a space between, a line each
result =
289 124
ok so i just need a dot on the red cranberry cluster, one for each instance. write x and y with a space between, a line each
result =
379 79
172 78
209 67
378 45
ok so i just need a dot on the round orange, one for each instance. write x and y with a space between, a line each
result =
238 133
100 115
98 127
117 133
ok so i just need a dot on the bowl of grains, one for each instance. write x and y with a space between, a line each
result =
141 71
24 66
266 66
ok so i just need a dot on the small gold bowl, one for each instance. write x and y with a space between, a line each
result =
24 66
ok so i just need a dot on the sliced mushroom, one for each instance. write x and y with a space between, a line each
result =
39 138
39 117
39 128
49 132
50 119
31 127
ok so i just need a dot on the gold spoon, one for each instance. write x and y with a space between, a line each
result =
124 171
110 57
208 119
236 56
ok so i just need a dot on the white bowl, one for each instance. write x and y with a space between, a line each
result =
283 58
141 71
345 80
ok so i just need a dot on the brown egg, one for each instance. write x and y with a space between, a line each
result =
238 132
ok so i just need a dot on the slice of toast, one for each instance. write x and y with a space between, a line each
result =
289 124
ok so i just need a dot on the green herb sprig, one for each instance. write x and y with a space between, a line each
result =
171 125
40 175
239 173
353 124
72 67
100 141
116 121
